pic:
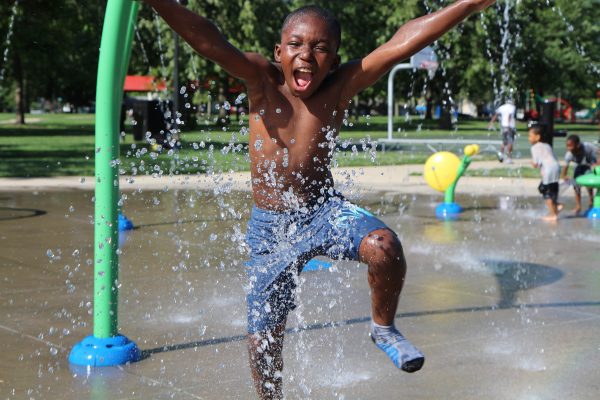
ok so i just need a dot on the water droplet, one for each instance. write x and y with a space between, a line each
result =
240 98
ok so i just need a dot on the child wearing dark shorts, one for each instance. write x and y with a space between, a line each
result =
543 158
583 155
549 191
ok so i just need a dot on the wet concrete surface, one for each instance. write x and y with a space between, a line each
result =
504 305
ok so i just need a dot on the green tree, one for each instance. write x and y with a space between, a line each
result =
53 51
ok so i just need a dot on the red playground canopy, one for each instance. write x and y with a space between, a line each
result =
141 83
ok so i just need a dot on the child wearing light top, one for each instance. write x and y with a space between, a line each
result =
543 158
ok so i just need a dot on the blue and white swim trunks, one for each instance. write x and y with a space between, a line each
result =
282 242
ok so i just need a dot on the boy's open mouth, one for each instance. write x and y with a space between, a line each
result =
303 77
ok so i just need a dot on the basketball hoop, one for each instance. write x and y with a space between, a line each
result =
425 59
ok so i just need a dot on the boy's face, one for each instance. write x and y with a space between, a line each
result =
534 137
571 146
307 53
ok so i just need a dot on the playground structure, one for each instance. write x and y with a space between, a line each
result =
563 110
442 172
592 180
593 112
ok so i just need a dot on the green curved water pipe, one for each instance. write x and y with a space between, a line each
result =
115 48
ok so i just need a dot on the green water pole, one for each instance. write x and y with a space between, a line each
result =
449 210
449 193
111 67
106 346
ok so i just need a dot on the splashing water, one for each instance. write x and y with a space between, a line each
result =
8 39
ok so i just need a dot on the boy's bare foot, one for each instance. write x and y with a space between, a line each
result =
576 210
550 218
559 207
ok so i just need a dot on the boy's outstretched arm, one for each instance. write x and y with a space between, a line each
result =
208 41
408 40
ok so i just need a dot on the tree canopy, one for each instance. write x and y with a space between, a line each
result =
550 46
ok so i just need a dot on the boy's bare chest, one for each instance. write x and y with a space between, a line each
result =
293 136
286 121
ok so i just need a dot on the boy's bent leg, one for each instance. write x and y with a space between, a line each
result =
267 314
382 251
266 361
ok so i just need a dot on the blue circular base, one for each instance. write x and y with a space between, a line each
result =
104 352
593 213
316 265
448 211
125 223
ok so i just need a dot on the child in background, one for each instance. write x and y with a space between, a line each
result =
584 156
543 158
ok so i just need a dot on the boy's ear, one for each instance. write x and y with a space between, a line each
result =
277 53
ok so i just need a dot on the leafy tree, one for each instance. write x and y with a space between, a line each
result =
552 46
53 51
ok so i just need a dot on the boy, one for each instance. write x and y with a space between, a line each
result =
297 106
584 156
509 129
543 158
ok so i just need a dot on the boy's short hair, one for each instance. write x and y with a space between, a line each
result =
536 129
574 138
324 14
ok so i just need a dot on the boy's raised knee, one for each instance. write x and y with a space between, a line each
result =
380 243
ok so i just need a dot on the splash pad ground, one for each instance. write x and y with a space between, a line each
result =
503 304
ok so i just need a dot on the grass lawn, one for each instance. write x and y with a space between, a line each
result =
63 144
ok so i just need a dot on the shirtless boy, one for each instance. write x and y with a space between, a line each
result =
297 105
